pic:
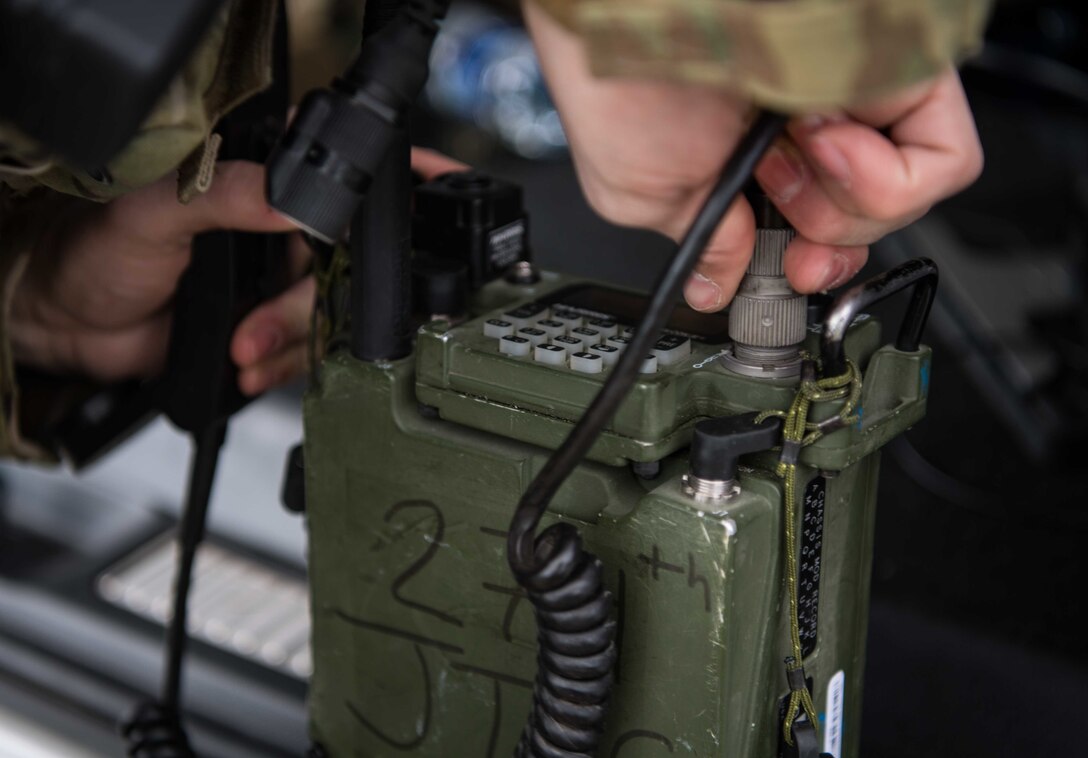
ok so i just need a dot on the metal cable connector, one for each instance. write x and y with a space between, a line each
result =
767 318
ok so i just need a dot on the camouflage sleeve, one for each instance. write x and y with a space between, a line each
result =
232 62
788 54
22 219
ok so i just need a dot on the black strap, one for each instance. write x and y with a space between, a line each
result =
806 743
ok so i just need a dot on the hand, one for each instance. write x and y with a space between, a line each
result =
271 344
648 154
97 294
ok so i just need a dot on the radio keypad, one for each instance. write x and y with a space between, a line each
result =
671 348
606 326
497 328
587 363
526 315
553 355
569 344
586 335
588 344
569 319
552 327
608 353
518 347
534 335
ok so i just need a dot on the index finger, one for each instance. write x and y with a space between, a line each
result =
431 163
867 183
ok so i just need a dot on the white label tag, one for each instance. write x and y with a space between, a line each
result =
507 244
836 695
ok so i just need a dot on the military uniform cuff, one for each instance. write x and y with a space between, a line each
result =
23 218
13 443
791 55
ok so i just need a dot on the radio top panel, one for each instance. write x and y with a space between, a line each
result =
532 359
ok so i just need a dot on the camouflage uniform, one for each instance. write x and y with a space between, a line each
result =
793 55
789 54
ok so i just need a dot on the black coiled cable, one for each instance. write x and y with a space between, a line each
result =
577 648
563 580
155 732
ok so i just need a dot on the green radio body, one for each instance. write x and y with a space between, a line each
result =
424 644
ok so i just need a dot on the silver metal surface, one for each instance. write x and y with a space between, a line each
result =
709 491
771 245
238 604
522 272
762 364
767 318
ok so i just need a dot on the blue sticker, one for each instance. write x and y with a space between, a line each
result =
861 416
924 376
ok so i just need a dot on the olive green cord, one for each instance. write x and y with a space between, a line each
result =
799 432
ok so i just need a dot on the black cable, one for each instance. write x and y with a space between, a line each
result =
190 534
563 581
155 731
666 294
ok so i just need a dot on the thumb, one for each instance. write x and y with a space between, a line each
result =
236 200
431 163
724 261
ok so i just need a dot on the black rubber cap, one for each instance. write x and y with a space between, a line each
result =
321 168
720 442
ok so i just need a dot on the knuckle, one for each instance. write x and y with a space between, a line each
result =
624 198
888 208
828 229
605 203
972 162
232 190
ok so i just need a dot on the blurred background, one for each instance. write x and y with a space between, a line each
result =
978 610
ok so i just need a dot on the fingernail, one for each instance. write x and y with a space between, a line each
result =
816 121
830 159
263 342
812 122
702 294
782 174
836 272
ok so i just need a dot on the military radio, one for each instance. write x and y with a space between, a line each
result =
559 519
548 517
730 501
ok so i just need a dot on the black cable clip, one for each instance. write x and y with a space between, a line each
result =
806 742
795 675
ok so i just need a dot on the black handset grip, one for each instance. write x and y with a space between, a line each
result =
230 274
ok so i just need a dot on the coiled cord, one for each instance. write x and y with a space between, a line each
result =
155 732
577 648
563 581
